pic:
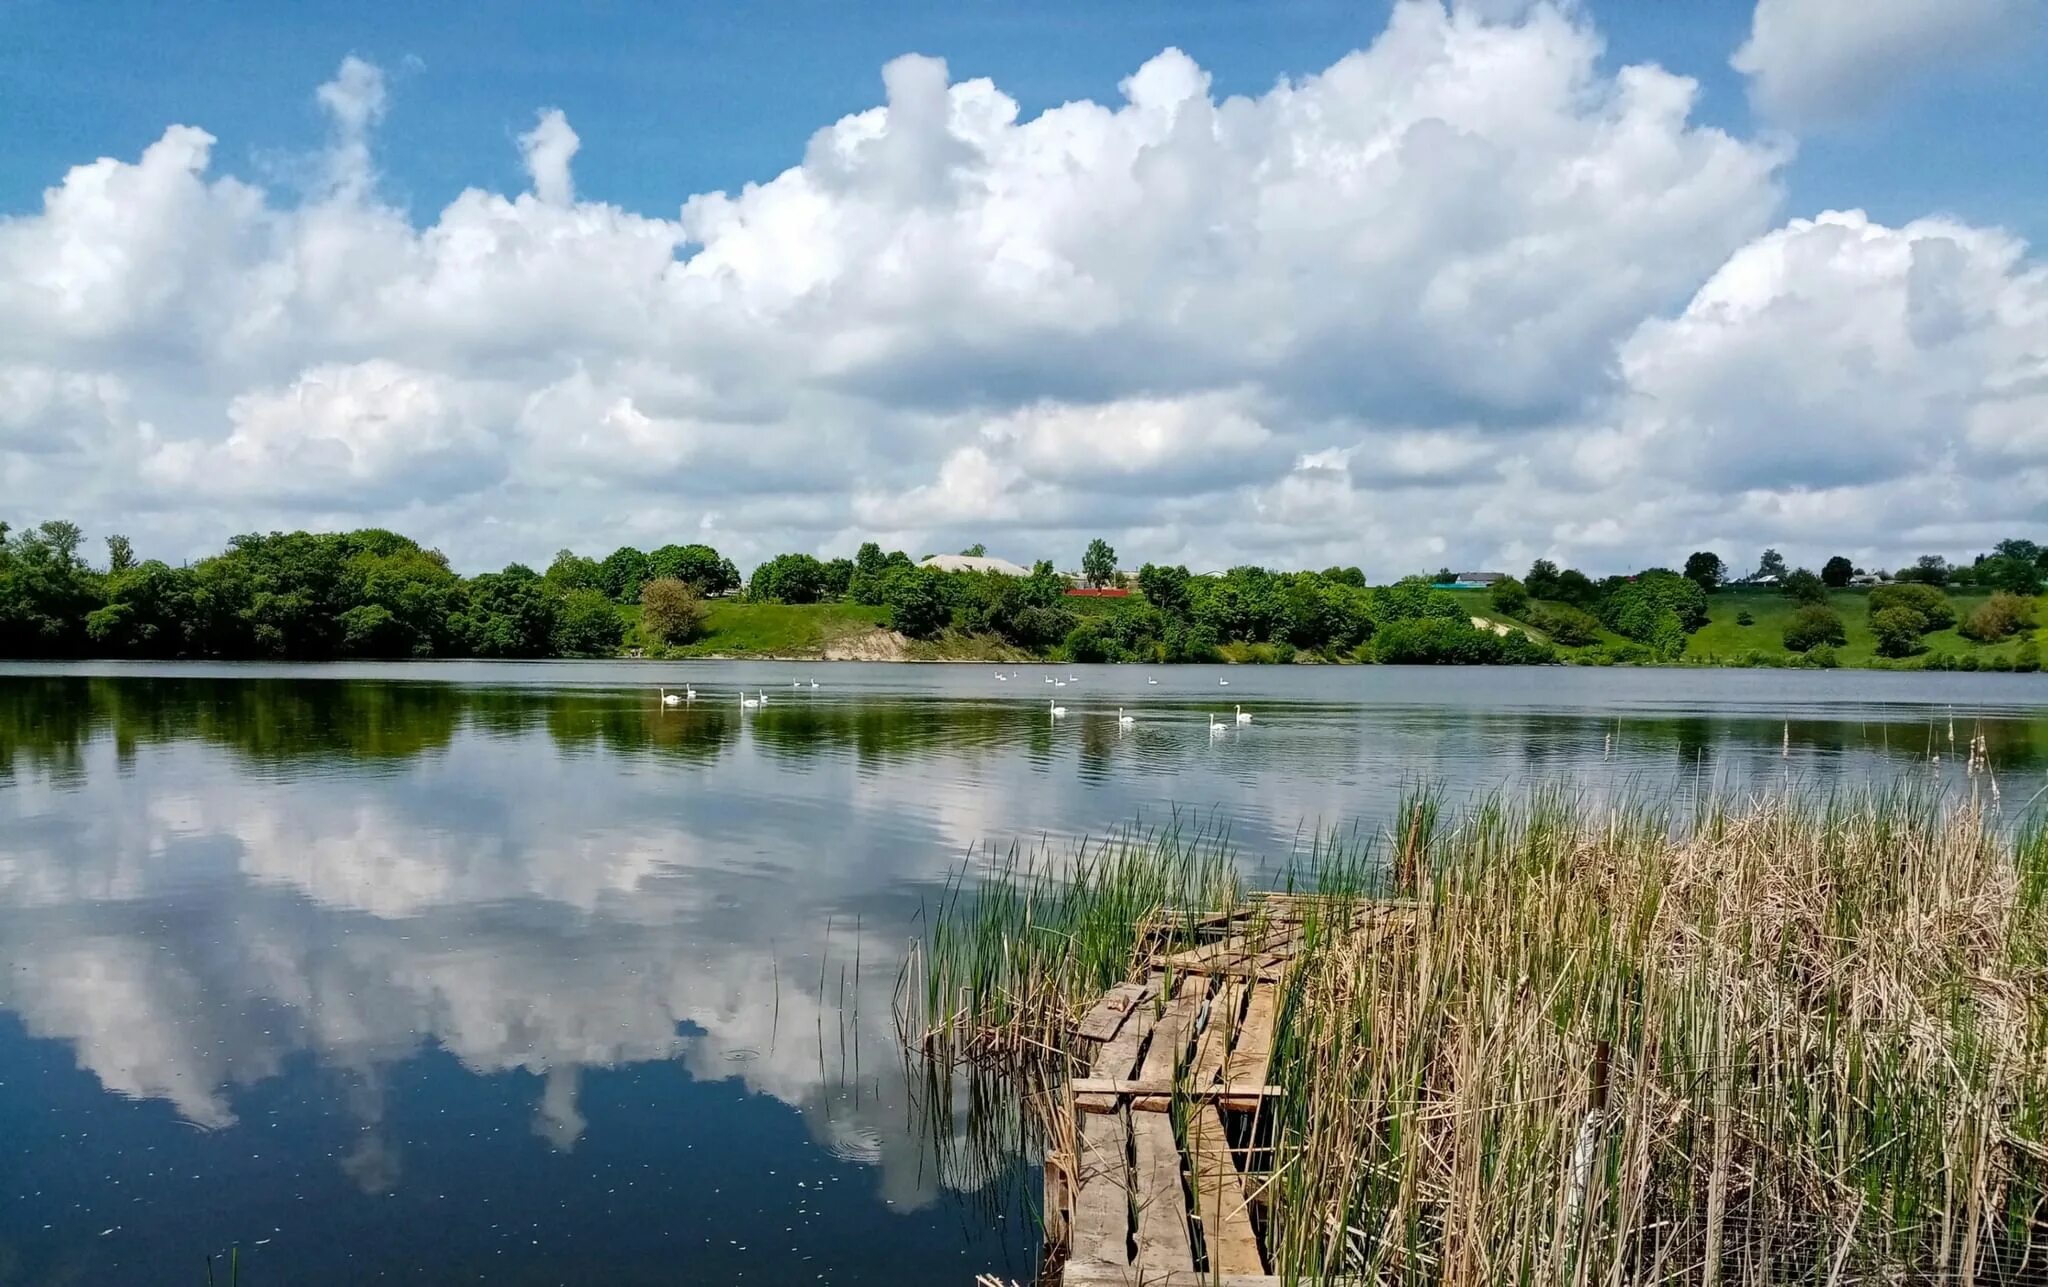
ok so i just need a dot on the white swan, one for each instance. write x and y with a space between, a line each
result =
1216 727
1224 682
1058 711
1151 681
748 703
1123 720
1243 718
1059 683
689 693
668 698
814 683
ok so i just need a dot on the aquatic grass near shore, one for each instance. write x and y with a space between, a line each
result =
1793 1038
1021 936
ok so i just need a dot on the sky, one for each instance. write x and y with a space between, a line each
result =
1397 285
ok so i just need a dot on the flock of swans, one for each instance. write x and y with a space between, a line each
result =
1055 711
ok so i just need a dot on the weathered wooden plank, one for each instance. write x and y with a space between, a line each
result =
1163 1242
1108 1014
1167 1055
1227 951
1093 1086
1226 1011
1102 1203
1219 1197
1252 1057
1118 1056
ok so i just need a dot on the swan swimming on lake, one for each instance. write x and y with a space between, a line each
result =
1243 718
814 683
1224 682
748 703
1058 711
668 698
1150 680
1216 727
1123 720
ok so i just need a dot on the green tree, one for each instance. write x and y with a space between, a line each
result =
572 571
1705 569
670 611
1804 586
588 625
1814 625
1930 607
1837 571
788 578
120 554
508 614
1928 569
1898 631
1165 588
1044 587
1510 598
916 600
2012 575
624 571
1542 580
975 551
1772 564
1098 563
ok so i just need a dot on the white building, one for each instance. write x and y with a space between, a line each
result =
973 563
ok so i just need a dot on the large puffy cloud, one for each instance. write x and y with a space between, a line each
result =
1429 303
1813 62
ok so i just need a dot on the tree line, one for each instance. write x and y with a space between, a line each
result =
375 593
320 596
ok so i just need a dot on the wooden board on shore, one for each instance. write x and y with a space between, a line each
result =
1107 1015
1252 1057
1163 1242
1171 1037
1118 1057
1093 1086
1220 1202
1102 1202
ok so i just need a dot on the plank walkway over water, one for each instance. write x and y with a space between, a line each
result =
1163 1198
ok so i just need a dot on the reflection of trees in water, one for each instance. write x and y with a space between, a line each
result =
46 723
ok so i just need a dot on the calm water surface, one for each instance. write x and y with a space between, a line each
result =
466 972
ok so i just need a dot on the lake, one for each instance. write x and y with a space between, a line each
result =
466 972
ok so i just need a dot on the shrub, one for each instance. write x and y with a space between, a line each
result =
1436 641
1037 627
1565 624
2028 658
1822 656
2001 616
1929 604
1743 618
670 611
1510 597
1898 631
1812 626
1283 653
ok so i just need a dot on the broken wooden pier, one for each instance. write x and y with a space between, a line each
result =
1166 1180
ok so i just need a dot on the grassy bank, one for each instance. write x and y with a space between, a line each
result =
740 629
736 629
1798 1039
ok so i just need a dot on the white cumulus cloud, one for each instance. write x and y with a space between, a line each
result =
1454 295
1813 62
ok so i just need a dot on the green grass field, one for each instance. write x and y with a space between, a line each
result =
735 629
1723 639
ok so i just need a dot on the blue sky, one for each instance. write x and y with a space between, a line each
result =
1934 115
673 99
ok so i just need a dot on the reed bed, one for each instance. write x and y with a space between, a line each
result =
1794 1038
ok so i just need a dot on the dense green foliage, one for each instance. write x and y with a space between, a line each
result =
1656 608
670 611
1814 625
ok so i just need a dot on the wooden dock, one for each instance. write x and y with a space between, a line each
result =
1172 1123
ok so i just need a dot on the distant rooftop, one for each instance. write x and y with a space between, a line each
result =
973 563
